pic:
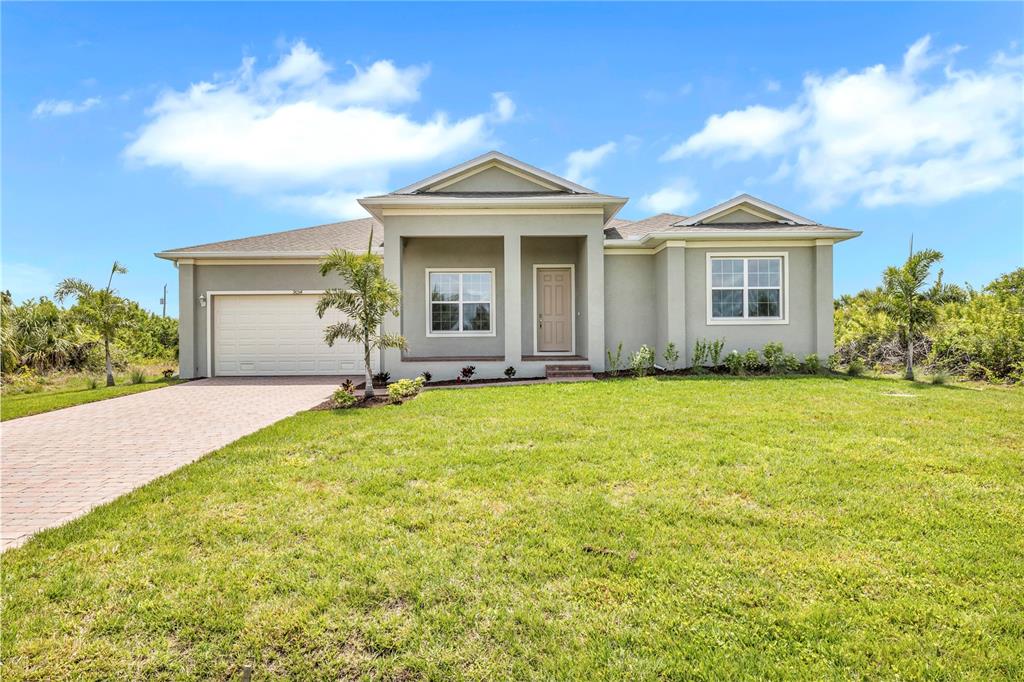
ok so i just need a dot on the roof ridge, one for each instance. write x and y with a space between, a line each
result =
276 233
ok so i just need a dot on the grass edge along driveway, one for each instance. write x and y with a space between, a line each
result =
26 404
703 527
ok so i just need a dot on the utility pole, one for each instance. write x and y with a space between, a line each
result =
163 301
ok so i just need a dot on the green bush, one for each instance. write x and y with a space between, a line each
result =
940 377
855 368
343 398
671 355
137 375
773 357
404 389
92 382
642 361
700 353
615 361
812 365
734 361
791 363
982 338
751 360
715 352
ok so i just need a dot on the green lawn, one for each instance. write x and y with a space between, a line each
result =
709 528
23 404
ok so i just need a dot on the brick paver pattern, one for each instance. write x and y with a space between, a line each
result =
58 465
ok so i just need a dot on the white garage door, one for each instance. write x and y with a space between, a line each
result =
278 334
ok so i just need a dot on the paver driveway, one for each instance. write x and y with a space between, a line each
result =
58 465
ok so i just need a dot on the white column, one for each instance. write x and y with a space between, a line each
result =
513 303
595 301
824 332
186 320
392 272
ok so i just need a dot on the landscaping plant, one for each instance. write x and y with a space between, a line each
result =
467 372
615 361
715 352
642 361
700 352
791 363
427 376
404 389
344 397
381 379
137 375
856 368
773 357
751 360
510 372
368 298
734 362
101 310
812 365
671 356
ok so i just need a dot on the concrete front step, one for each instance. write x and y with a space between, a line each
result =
568 371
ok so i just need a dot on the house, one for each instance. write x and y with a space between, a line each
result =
501 263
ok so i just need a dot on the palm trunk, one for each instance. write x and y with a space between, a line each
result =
909 374
110 367
368 387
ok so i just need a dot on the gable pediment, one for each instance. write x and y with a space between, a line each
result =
745 209
493 172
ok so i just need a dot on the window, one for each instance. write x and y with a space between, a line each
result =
460 303
746 288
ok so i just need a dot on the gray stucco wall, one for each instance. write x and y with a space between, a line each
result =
421 253
494 180
209 278
631 303
797 336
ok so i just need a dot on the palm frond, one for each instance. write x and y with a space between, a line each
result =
342 330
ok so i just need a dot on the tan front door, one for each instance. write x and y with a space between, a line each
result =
554 310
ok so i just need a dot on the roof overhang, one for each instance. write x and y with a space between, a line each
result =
247 255
377 206
733 235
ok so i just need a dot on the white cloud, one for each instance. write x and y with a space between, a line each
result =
741 134
298 137
913 135
772 85
64 107
24 280
582 161
671 198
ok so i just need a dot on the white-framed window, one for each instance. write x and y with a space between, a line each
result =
747 288
460 302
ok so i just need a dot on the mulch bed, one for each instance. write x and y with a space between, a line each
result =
480 382
376 401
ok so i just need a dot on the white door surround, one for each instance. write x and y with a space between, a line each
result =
538 314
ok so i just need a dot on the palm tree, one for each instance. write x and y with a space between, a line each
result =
369 298
908 302
103 310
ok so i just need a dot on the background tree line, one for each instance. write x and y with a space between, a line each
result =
99 330
911 318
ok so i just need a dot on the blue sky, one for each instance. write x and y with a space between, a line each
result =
128 129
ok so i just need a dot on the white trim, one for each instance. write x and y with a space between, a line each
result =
746 207
209 311
492 211
462 334
747 320
614 248
536 305
495 164
188 256
490 157
746 199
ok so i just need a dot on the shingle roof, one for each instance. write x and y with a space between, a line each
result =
351 235
638 228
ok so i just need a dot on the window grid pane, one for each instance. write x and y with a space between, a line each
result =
444 286
727 303
746 288
460 302
727 272
763 303
476 317
444 317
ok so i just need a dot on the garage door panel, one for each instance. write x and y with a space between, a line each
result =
277 334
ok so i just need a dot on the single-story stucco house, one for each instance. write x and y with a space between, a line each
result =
501 263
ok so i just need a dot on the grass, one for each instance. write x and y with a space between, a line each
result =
74 392
708 528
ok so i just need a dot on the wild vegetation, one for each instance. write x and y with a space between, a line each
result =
940 327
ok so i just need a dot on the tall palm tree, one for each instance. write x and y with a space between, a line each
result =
103 310
368 299
907 300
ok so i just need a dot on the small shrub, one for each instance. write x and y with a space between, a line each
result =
671 356
467 372
791 363
855 368
835 361
642 361
700 352
812 365
343 397
381 378
715 352
93 382
403 389
348 386
168 373
773 357
941 377
510 372
751 360
137 375
615 361
734 361
427 376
